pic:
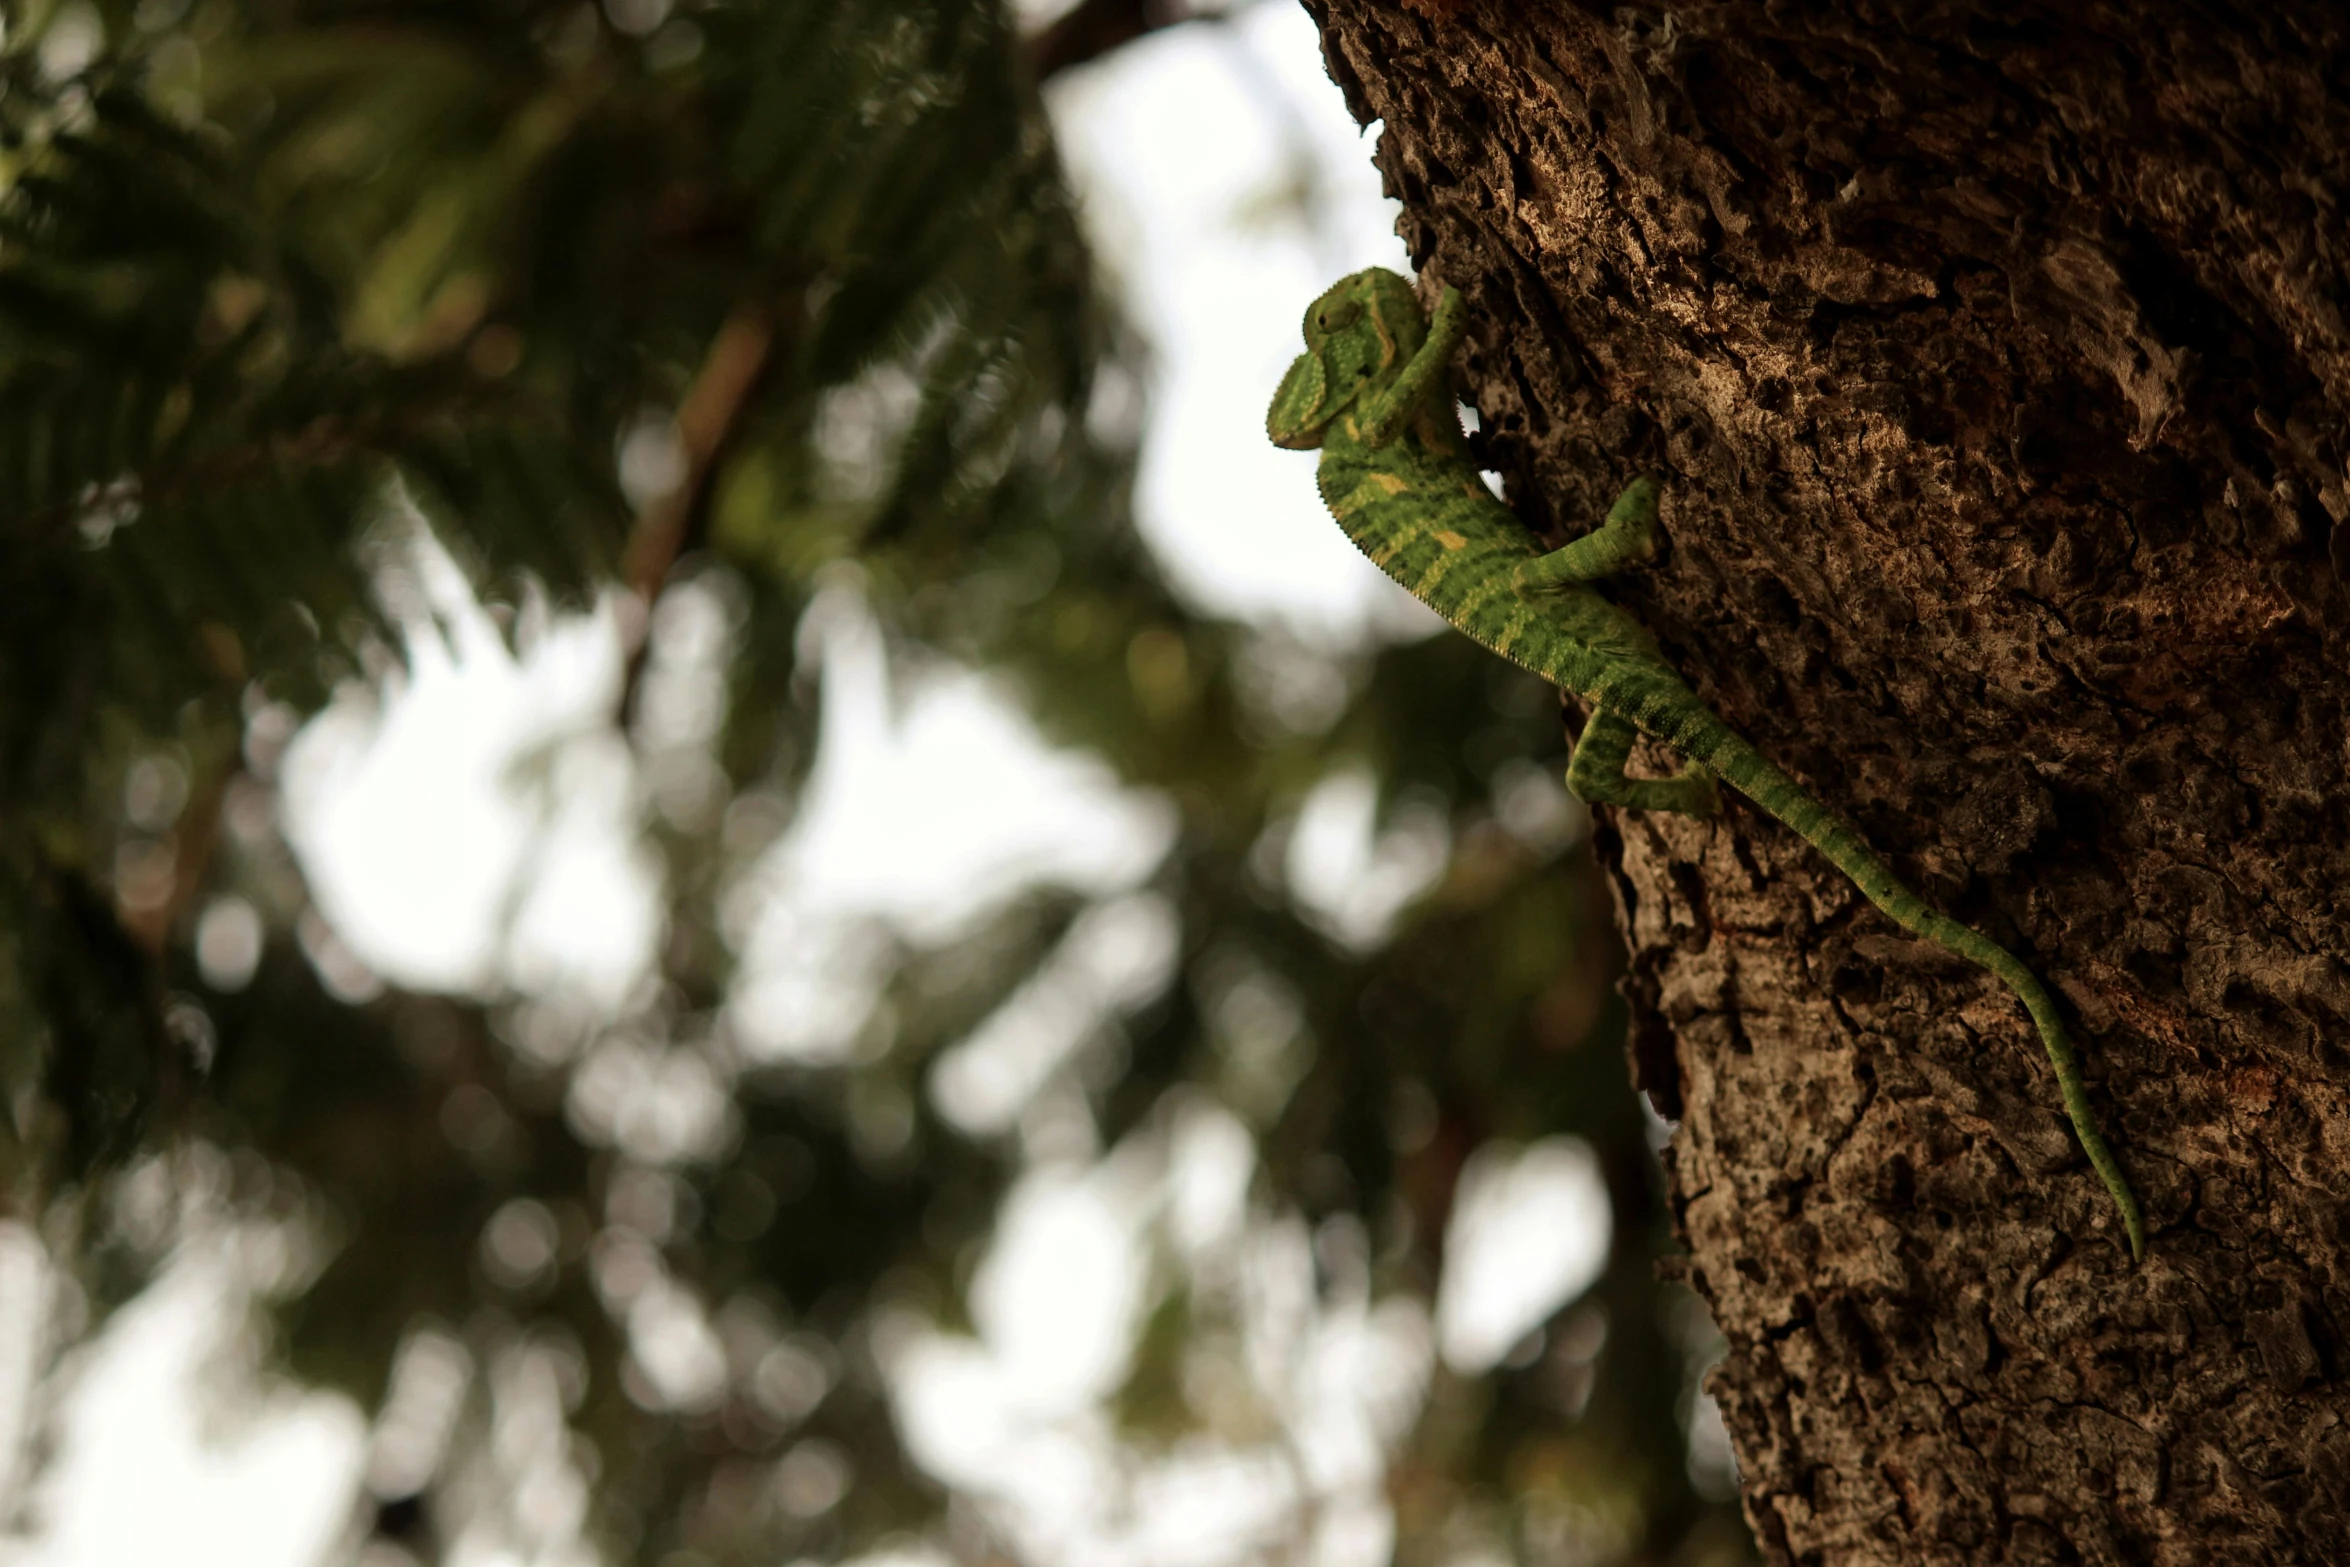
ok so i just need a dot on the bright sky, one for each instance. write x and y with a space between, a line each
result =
472 826
931 801
170 1447
1191 150
414 805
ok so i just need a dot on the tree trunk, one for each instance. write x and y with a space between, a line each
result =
1995 362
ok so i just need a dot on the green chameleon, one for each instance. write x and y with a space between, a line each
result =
1374 391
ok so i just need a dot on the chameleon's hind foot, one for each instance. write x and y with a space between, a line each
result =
1695 792
1596 774
1700 790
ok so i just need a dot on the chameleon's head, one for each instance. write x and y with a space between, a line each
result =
1358 334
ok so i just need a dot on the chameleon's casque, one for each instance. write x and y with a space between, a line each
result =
1373 391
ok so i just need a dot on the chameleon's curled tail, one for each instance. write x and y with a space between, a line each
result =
1701 737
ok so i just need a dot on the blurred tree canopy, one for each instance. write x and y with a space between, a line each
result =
712 304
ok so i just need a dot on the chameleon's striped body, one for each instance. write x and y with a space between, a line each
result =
1374 393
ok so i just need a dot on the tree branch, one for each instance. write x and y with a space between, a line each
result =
672 523
707 421
1093 28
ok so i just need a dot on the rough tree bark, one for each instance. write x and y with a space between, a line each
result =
1995 359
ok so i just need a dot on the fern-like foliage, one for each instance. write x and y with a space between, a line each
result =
270 272
461 250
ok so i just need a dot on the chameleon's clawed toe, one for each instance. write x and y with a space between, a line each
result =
1696 792
1705 791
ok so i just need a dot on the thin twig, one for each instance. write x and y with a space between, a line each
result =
707 422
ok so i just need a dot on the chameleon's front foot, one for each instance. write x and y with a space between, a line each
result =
1628 538
1449 323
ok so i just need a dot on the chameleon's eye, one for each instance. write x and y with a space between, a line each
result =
1338 315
